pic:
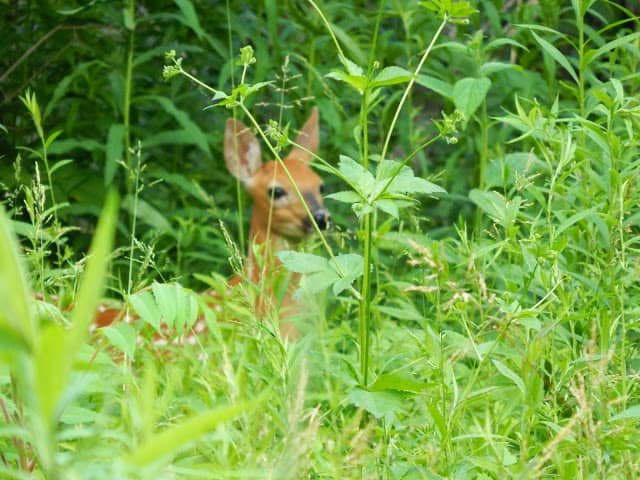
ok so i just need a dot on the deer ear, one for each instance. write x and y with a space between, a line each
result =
308 138
241 151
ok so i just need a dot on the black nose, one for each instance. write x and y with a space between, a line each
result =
321 217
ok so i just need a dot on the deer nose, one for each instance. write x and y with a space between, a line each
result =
321 217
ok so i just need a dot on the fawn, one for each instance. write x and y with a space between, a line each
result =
278 218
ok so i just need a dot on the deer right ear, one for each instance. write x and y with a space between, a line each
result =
241 151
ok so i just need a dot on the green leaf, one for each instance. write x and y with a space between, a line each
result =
57 347
384 403
435 84
345 197
15 314
147 213
114 151
301 262
184 120
511 375
52 361
557 55
391 76
632 412
399 383
145 306
469 93
177 436
166 296
348 267
497 206
122 336
358 82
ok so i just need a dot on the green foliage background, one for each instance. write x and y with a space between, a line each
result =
504 314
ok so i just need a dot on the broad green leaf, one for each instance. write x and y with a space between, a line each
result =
345 197
348 268
177 436
358 82
74 415
632 412
391 76
400 383
388 206
469 93
15 315
122 336
145 306
490 202
301 262
557 55
114 151
318 281
438 86
384 403
166 297
186 308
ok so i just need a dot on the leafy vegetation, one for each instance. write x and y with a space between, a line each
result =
472 314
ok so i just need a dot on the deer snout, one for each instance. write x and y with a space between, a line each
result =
321 217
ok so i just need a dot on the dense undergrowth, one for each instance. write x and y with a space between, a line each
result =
491 331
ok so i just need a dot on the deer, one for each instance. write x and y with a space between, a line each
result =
279 219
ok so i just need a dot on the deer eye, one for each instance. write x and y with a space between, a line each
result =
322 189
276 192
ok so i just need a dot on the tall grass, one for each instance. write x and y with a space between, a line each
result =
489 332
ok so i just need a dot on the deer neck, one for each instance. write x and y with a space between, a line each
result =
265 243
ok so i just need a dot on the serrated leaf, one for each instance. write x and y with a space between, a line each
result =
361 178
122 336
348 268
388 206
469 93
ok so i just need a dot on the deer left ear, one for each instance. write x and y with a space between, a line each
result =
308 138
